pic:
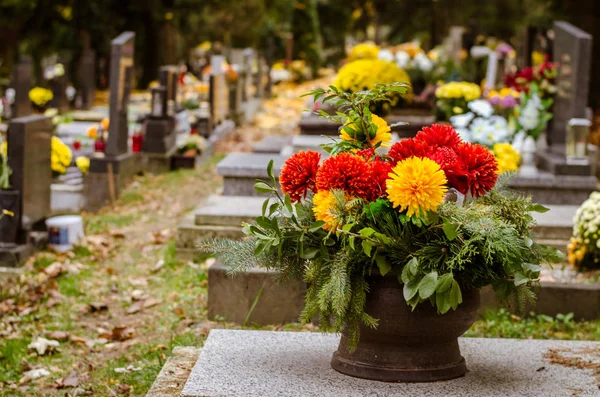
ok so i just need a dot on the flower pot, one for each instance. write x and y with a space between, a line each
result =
9 225
180 161
407 345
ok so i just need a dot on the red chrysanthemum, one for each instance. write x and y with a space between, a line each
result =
379 173
347 172
439 136
406 148
366 154
298 174
479 169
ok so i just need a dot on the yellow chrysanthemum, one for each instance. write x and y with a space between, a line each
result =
83 163
60 156
105 124
508 158
364 51
40 96
456 90
382 135
323 204
416 184
365 73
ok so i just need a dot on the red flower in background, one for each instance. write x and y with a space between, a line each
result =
366 154
347 172
477 172
406 148
439 136
298 174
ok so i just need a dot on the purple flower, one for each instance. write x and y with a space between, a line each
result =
503 49
508 101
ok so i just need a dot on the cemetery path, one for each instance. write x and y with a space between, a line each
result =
102 319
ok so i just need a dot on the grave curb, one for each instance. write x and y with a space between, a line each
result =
175 372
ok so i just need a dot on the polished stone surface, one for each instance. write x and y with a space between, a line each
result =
268 364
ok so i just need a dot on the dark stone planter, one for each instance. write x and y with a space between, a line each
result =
9 225
407 346
180 161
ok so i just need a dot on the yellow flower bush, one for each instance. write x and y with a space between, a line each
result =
417 184
365 73
508 158
366 50
83 163
383 136
503 93
40 96
60 157
458 90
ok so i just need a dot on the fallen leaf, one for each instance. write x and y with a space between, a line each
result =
138 294
117 234
111 271
71 380
179 312
128 369
33 374
43 345
151 302
119 334
54 269
158 265
78 339
97 307
124 389
136 307
59 335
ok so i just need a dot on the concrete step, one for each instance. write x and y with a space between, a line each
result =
272 144
228 210
232 297
555 224
189 234
241 170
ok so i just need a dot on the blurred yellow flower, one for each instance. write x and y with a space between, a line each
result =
383 136
456 90
365 73
323 206
508 158
60 156
83 163
40 96
365 50
105 124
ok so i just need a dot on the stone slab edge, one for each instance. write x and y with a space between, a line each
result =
175 372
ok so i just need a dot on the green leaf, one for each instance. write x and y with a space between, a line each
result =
263 187
317 225
347 227
263 222
264 207
532 267
538 208
270 170
406 276
310 253
450 230
351 241
366 232
367 246
442 301
455 295
520 279
503 289
410 289
383 264
413 266
272 208
444 282
428 284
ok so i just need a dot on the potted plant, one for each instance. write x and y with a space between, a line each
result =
394 247
188 151
10 203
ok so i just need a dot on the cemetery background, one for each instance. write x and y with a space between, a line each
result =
102 299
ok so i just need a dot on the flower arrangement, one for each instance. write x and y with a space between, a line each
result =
584 248
533 114
60 157
92 132
481 125
507 157
193 145
542 75
506 98
404 214
365 50
39 97
5 170
452 98
364 74
83 163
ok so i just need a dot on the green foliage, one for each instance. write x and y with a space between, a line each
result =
5 172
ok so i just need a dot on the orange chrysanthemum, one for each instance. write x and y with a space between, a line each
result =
417 185
298 174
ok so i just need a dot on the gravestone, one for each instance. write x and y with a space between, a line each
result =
525 46
573 59
168 76
109 173
29 148
86 78
159 143
21 83
456 43
58 85
218 92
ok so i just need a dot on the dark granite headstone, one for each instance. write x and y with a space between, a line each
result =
86 77
21 83
59 100
168 78
121 74
525 46
29 148
572 56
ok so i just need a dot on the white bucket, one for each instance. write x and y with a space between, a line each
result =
64 231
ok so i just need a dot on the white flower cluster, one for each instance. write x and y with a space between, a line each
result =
481 125
587 221
404 61
530 115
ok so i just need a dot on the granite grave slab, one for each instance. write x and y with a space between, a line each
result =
236 363
240 171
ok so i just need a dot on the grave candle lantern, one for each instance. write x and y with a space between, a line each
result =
577 137
159 102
